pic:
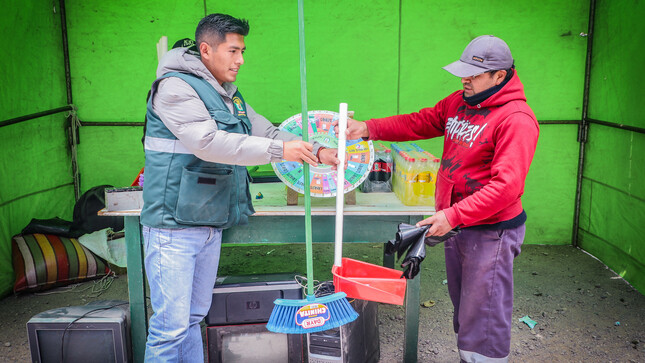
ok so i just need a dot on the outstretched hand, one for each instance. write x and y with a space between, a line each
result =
439 222
329 156
299 151
355 129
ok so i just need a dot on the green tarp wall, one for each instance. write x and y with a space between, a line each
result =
381 57
612 202
35 168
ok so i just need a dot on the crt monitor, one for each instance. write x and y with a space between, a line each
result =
96 332
245 343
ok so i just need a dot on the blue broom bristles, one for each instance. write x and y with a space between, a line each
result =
283 316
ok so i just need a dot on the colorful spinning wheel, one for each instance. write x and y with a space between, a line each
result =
360 157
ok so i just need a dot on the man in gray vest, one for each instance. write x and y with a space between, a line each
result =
200 136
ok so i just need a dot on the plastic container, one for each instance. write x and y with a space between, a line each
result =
365 281
414 176
380 177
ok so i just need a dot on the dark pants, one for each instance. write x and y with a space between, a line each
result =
479 266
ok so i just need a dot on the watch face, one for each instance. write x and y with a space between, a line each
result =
323 180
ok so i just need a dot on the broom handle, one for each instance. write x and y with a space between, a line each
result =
305 137
340 185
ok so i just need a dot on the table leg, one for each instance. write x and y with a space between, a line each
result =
412 303
136 287
388 261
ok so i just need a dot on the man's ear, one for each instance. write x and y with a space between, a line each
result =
204 49
499 76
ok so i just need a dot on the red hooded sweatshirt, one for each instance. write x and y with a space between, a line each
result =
487 151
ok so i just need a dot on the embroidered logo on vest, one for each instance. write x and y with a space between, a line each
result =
238 106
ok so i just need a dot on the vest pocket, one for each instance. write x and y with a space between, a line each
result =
204 196
224 117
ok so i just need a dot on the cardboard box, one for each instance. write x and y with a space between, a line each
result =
121 199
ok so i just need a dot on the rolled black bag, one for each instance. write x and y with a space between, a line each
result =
411 241
56 226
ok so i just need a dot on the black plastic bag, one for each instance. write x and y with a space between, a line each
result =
411 241
56 226
86 219
435 240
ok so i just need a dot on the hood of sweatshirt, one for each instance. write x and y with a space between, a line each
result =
180 60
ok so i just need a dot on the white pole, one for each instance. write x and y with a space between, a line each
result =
340 184
162 47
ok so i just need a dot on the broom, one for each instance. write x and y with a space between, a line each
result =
311 314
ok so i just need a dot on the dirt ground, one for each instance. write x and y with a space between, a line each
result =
584 312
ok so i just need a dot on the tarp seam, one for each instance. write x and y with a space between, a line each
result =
34 193
615 189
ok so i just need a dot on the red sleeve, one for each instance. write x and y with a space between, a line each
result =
427 123
515 142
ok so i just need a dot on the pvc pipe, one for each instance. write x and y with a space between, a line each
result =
340 185
162 47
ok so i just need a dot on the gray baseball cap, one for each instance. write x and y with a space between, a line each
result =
484 53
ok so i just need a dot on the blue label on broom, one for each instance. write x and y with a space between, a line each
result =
312 315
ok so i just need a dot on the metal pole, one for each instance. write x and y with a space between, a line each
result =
35 115
639 130
72 126
583 129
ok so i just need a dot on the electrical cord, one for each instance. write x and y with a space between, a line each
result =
320 288
62 347
98 287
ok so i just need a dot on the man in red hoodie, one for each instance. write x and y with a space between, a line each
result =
490 135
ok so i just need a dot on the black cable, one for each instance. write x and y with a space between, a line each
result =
325 288
62 342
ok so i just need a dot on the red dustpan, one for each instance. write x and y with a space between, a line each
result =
359 280
365 281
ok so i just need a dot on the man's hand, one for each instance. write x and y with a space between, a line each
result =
330 157
355 129
439 222
300 151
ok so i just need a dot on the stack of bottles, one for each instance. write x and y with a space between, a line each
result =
380 177
414 175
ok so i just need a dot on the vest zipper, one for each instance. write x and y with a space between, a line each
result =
237 195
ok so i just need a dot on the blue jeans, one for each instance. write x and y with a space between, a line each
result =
181 267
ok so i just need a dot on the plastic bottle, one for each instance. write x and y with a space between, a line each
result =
397 172
414 174
428 176
379 178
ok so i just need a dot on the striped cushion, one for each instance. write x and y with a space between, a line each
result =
43 261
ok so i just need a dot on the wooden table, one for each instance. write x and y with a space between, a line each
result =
372 219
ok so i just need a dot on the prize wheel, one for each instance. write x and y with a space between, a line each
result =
360 157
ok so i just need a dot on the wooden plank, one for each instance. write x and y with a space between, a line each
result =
292 197
274 203
350 198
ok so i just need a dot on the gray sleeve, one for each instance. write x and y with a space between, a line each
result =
185 115
264 128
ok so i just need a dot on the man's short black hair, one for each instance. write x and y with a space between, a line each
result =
509 73
217 26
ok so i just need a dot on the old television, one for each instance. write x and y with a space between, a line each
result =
357 341
246 299
236 323
243 343
96 332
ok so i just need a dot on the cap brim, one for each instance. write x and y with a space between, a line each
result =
461 69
